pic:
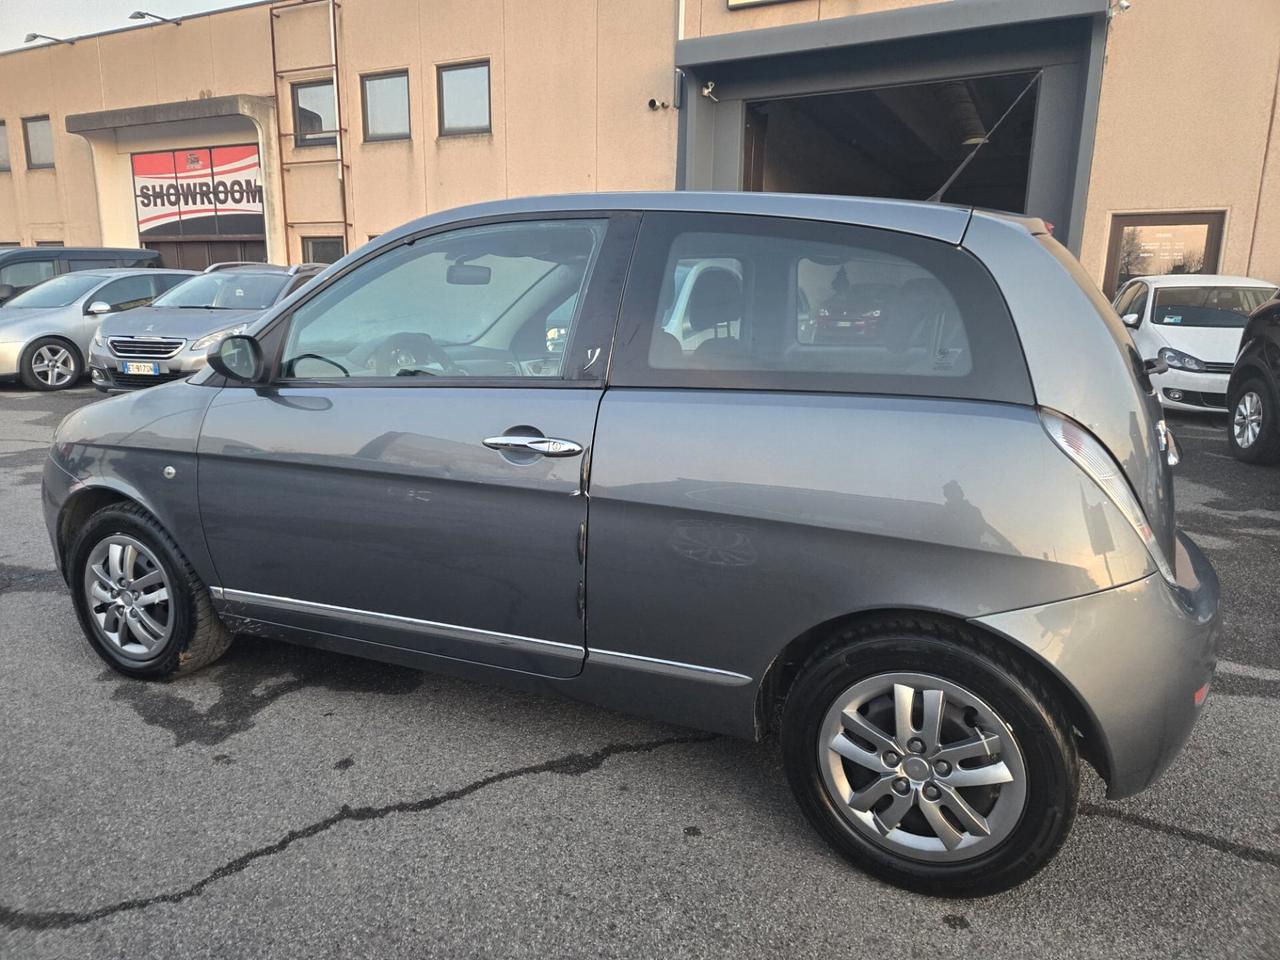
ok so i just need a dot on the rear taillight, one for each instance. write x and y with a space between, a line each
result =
1092 457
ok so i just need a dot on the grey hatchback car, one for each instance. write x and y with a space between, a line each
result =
887 479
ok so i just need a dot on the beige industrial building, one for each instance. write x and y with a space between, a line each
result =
298 129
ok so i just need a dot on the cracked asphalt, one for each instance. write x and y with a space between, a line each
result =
295 803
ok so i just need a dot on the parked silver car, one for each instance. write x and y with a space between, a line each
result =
170 338
936 553
45 331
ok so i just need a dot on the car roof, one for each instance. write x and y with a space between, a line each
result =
1203 280
145 271
57 251
937 221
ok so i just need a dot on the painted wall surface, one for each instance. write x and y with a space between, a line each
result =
571 82
1182 127
206 56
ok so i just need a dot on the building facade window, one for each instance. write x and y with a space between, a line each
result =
1155 244
385 101
37 133
4 147
49 243
463 93
315 114
323 249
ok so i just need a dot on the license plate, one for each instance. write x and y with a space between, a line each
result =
146 369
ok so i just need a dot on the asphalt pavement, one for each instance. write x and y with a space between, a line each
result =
293 803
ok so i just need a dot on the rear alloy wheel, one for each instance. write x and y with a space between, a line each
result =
945 790
50 364
1252 433
931 756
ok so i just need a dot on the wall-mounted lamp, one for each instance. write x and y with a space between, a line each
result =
144 15
33 37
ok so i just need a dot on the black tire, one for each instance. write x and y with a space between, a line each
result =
197 638
1266 448
28 375
989 671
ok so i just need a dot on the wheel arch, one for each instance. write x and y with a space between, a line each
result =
84 503
61 338
786 666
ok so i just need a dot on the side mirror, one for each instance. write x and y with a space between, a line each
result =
6 291
1131 319
238 358
98 308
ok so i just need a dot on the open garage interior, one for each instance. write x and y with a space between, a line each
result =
900 141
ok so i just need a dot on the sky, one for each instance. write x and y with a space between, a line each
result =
69 18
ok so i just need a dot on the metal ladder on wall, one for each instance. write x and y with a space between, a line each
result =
339 134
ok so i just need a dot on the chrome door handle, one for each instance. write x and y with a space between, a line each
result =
547 446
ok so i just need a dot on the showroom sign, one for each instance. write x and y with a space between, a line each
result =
203 191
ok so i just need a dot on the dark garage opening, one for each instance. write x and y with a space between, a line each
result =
899 141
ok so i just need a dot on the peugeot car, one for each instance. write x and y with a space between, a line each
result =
170 338
45 332
939 558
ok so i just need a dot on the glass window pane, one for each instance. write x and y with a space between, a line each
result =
464 98
760 303
39 134
27 272
1155 250
314 111
126 293
472 302
4 147
1208 306
386 106
323 249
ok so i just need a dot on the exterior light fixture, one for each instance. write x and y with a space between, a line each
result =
144 15
32 37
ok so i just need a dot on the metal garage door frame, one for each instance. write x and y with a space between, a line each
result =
920 44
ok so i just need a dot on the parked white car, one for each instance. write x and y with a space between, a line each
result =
1193 323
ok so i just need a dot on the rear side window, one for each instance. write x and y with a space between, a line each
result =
771 304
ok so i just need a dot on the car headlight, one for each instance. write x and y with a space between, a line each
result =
204 343
97 338
1178 360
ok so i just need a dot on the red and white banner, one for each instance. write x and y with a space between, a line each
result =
202 191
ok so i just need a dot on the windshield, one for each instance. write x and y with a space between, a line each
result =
1208 306
226 290
57 292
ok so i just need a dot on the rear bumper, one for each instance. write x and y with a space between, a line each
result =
1135 656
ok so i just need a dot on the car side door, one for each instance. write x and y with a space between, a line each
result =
414 473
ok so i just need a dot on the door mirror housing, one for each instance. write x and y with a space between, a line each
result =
1131 319
98 308
238 358
7 291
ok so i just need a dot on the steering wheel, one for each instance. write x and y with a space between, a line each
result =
407 351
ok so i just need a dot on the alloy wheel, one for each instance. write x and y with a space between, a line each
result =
922 767
128 596
53 365
1246 422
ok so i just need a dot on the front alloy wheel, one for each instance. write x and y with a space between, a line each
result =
50 364
1253 435
127 593
1247 420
